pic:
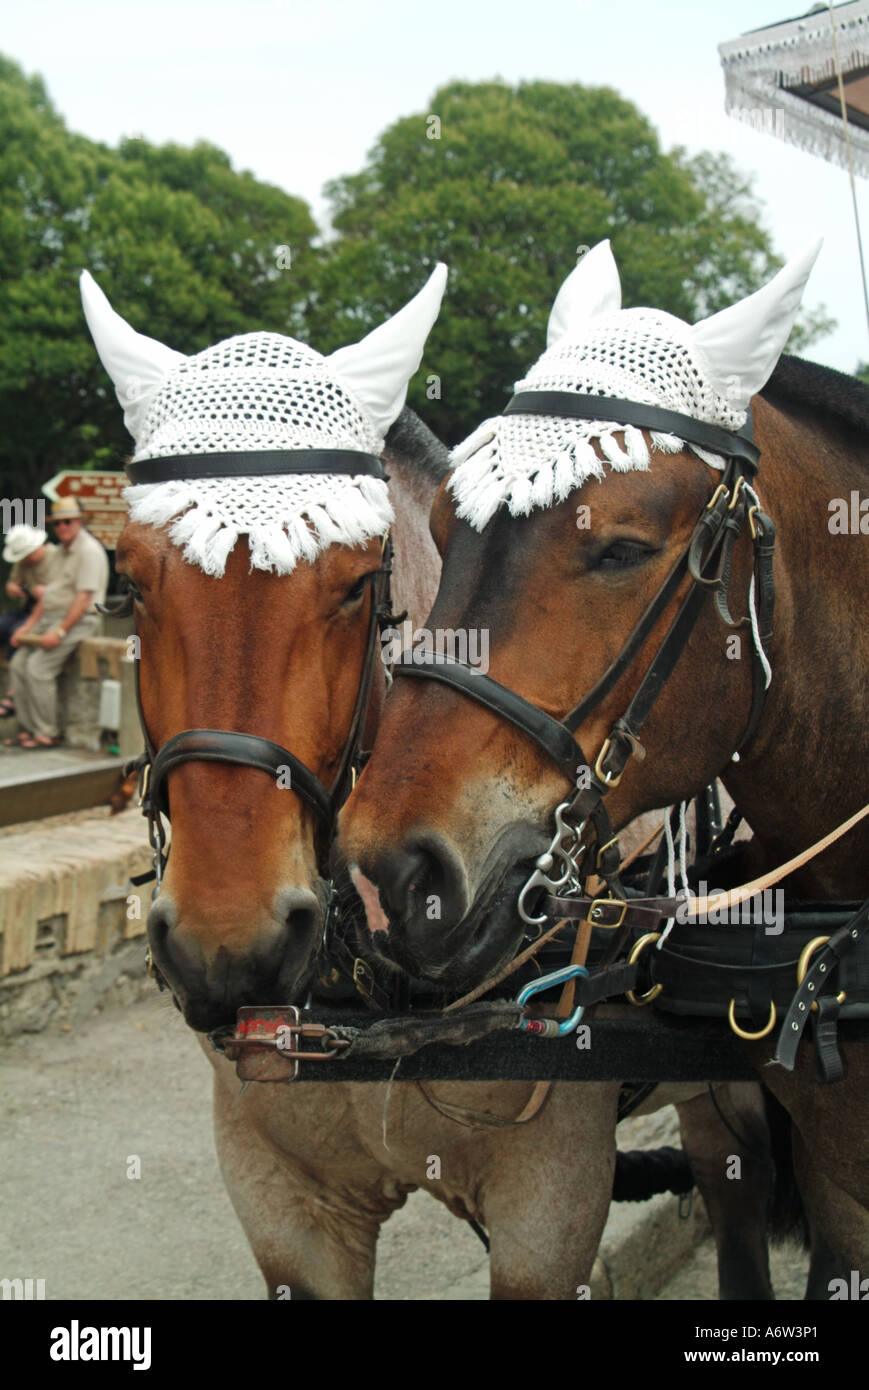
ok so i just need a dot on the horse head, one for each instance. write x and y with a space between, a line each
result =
259 666
573 538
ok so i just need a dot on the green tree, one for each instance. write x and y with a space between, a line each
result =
862 372
182 244
503 186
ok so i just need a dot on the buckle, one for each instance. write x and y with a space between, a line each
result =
710 505
607 902
363 978
803 964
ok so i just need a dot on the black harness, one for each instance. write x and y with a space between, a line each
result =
762 970
707 559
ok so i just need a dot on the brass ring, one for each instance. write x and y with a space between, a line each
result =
750 1037
638 947
803 964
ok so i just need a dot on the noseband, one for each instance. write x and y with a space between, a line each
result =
707 560
250 750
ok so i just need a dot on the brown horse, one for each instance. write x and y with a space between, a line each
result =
558 600
314 1170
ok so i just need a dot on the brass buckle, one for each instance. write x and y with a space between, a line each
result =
752 513
363 977
740 1032
803 964
146 778
715 496
638 948
607 902
606 778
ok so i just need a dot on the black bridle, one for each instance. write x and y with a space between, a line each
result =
250 750
707 560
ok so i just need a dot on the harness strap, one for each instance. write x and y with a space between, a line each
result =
816 979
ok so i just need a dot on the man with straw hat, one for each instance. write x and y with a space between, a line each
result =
30 553
65 615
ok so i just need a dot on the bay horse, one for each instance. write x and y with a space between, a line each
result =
556 534
232 645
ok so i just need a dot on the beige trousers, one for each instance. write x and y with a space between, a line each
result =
34 672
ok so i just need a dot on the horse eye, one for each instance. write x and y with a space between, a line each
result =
623 555
354 594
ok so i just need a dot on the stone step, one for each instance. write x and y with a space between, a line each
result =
63 890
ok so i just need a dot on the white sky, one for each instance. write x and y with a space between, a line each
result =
298 92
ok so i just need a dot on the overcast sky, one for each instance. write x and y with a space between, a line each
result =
298 93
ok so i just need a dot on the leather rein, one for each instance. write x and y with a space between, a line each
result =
250 750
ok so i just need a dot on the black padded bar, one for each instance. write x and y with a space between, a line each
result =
650 417
257 464
642 1046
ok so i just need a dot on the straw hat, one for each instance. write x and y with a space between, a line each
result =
67 509
21 541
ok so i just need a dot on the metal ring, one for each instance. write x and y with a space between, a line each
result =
750 1037
803 964
638 947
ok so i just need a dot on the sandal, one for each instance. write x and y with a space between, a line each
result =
18 740
7 707
31 741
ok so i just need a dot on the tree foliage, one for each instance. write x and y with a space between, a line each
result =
503 186
183 246
504 183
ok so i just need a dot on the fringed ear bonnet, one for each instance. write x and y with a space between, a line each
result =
596 348
262 392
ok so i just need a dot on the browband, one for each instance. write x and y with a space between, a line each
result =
651 417
257 464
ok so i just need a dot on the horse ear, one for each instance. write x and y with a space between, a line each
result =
378 368
743 343
591 289
136 364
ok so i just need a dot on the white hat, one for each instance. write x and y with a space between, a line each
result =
594 347
21 541
262 392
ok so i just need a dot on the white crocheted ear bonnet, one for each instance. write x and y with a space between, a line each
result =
596 348
262 392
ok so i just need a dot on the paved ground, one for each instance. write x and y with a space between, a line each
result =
132 1081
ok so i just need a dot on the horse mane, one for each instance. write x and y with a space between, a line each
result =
811 386
414 440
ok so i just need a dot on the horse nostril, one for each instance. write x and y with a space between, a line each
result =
422 884
161 920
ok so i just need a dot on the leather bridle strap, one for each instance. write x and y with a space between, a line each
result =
738 444
243 750
262 464
231 746
555 737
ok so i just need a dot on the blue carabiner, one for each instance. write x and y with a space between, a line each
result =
558 977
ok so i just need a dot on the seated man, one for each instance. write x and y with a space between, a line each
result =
64 616
31 560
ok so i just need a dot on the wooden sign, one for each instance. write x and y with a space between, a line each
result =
98 492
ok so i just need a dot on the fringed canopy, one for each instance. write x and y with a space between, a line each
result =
783 80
